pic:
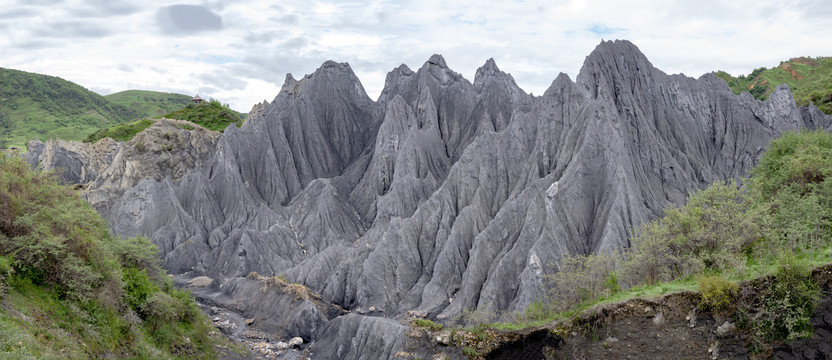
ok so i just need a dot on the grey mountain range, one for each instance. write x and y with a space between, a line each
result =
441 196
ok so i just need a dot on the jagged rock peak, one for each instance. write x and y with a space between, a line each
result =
437 60
611 60
559 83
288 83
491 65
488 69
402 70
333 64
614 54
330 75
622 47
258 109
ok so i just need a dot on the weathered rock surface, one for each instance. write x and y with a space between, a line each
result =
285 310
107 168
443 195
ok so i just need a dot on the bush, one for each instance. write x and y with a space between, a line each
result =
123 132
789 302
137 287
582 278
482 314
718 294
140 254
55 237
57 255
796 161
711 232
794 180
160 308
212 115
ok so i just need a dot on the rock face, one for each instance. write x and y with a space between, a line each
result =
445 195
106 169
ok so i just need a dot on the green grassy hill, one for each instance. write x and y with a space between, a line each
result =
149 103
46 106
35 105
809 78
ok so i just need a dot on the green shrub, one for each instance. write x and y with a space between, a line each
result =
612 284
6 270
582 278
60 261
798 160
649 260
138 253
794 181
538 310
137 287
711 232
212 115
55 237
482 314
123 132
789 302
425 323
717 293
470 352
160 308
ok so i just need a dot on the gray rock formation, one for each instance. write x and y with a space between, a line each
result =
446 195
106 168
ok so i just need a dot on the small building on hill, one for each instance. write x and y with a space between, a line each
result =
197 100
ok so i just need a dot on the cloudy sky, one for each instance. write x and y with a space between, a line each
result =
240 51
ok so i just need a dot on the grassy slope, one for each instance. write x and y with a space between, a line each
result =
123 132
211 115
35 105
149 103
70 290
46 106
809 79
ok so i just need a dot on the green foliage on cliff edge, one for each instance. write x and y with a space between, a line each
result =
724 234
212 115
123 132
810 80
68 289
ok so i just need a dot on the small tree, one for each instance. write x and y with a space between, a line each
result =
582 278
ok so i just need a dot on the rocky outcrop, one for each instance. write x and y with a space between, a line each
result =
274 306
446 195
106 168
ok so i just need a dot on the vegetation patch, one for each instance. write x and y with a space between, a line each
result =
810 80
787 303
300 291
717 293
149 103
425 323
212 115
34 105
726 234
70 289
123 132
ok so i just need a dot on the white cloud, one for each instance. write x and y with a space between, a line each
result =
242 50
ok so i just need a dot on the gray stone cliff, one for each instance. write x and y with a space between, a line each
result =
443 195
